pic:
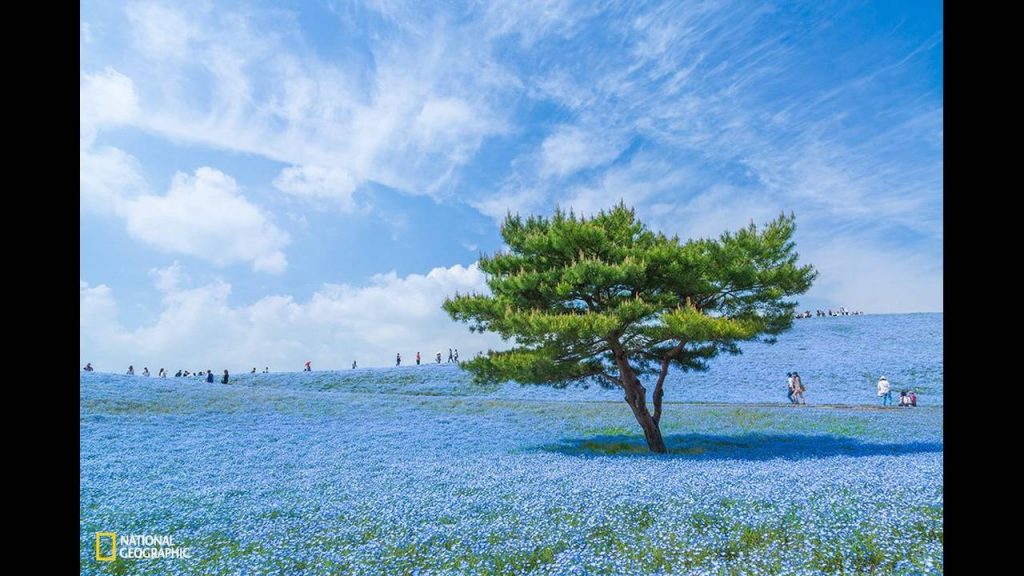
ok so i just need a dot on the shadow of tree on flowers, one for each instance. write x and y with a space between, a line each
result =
753 446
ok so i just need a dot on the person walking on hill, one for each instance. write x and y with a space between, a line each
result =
789 387
456 355
309 366
884 391
353 364
798 389
438 357
450 357
226 376
398 359
417 358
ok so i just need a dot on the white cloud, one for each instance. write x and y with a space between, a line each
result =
453 125
160 31
318 182
570 149
106 176
107 97
199 327
206 216
719 209
636 183
84 33
168 279
523 201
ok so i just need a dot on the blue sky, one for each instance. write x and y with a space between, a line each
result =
264 183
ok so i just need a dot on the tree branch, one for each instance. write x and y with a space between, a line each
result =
659 388
610 378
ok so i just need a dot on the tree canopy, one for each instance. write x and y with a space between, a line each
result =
608 300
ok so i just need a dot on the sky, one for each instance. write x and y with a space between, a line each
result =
265 183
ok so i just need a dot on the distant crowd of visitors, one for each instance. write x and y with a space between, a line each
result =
207 374
453 357
841 312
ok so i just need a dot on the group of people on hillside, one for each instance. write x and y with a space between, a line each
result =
796 389
908 398
820 313
208 374
453 356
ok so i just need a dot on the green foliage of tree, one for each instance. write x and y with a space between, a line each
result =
608 300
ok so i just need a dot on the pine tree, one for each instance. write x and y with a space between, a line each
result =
605 299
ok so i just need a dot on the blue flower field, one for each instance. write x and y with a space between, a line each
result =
415 470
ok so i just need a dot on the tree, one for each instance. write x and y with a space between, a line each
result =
605 299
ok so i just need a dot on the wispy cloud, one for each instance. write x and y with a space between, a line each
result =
404 118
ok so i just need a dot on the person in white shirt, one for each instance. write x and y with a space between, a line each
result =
884 391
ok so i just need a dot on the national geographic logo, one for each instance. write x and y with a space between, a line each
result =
110 547
100 538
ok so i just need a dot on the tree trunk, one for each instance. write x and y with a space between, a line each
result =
636 397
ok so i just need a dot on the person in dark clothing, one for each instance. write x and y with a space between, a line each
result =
417 358
88 367
226 376
353 364
450 357
398 359
209 376
253 370
178 375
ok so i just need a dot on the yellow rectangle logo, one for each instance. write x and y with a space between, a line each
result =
113 546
